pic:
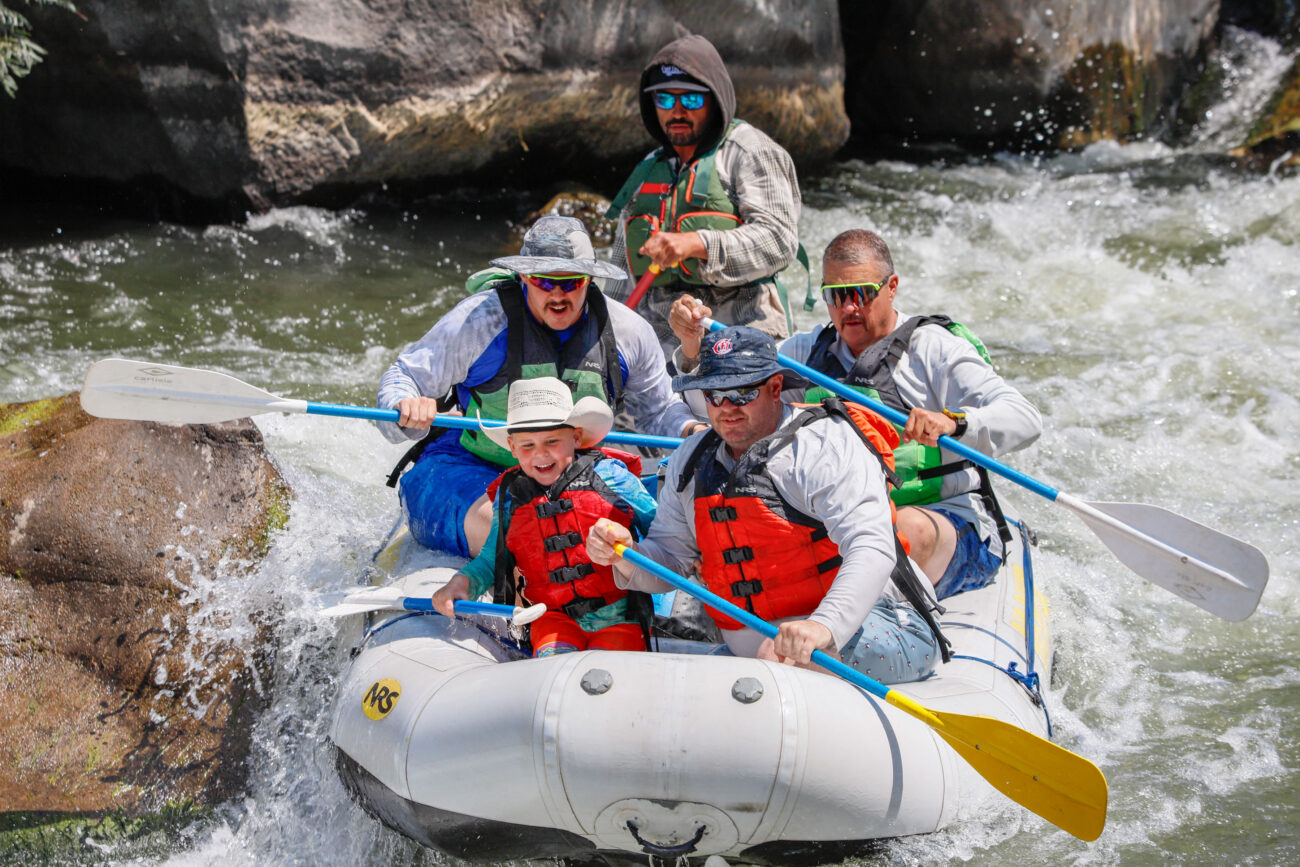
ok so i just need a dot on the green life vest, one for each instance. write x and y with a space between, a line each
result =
587 361
682 200
920 467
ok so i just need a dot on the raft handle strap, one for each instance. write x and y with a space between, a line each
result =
657 851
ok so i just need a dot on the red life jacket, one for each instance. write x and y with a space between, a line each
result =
545 536
756 549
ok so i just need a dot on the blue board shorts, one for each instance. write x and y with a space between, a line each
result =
894 645
438 490
972 565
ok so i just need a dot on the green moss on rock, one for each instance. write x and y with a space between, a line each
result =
15 417
35 837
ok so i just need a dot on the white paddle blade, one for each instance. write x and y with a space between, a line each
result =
1223 575
363 601
344 609
147 391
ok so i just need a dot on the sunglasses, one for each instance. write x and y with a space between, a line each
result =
836 294
737 396
693 101
566 284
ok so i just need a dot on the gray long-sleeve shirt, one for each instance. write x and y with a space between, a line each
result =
938 371
825 473
463 347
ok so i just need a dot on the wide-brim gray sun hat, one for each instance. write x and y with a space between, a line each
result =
559 245
737 356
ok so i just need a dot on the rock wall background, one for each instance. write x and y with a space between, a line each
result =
244 104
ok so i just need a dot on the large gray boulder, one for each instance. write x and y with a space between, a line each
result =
274 102
125 549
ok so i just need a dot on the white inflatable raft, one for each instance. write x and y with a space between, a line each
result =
446 735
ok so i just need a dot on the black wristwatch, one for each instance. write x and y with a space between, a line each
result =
960 418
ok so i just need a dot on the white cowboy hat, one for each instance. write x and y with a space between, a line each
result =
545 403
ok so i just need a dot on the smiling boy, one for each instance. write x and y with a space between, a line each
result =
535 547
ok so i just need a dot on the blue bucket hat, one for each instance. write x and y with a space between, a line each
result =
737 356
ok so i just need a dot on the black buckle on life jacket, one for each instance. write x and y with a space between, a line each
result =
732 556
551 508
562 541
741 589
584 605
565 574
720 514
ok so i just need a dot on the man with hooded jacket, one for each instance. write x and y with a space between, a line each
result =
715 207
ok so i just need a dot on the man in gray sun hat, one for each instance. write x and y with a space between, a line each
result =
541 315
785 512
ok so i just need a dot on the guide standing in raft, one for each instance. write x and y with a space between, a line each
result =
716 207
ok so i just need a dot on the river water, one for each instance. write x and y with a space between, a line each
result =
1146 299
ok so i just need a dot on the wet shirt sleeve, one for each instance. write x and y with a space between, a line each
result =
482 570
441 358
622 482
830 475
941 371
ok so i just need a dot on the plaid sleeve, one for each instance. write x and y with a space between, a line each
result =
760 177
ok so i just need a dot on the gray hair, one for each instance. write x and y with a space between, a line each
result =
858 247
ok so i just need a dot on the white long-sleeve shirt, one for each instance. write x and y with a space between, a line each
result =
825 473
938 371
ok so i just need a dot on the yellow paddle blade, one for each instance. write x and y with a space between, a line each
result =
1065 789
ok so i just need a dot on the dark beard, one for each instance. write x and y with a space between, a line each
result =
681 136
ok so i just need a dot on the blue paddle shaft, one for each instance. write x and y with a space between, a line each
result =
758 624
973 455
459 421
462 606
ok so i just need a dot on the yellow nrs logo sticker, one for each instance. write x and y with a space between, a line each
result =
380 698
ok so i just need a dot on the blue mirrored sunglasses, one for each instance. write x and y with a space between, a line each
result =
737 396
566 284
693 101
836 294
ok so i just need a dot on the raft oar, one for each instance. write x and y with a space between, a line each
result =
1065 789
391 599
146 391
1221 574
642 286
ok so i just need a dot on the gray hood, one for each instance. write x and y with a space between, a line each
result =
696 56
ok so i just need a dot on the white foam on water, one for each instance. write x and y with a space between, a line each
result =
1147 303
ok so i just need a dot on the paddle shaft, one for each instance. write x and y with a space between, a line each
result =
464 423
975 456
758 624
642 286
